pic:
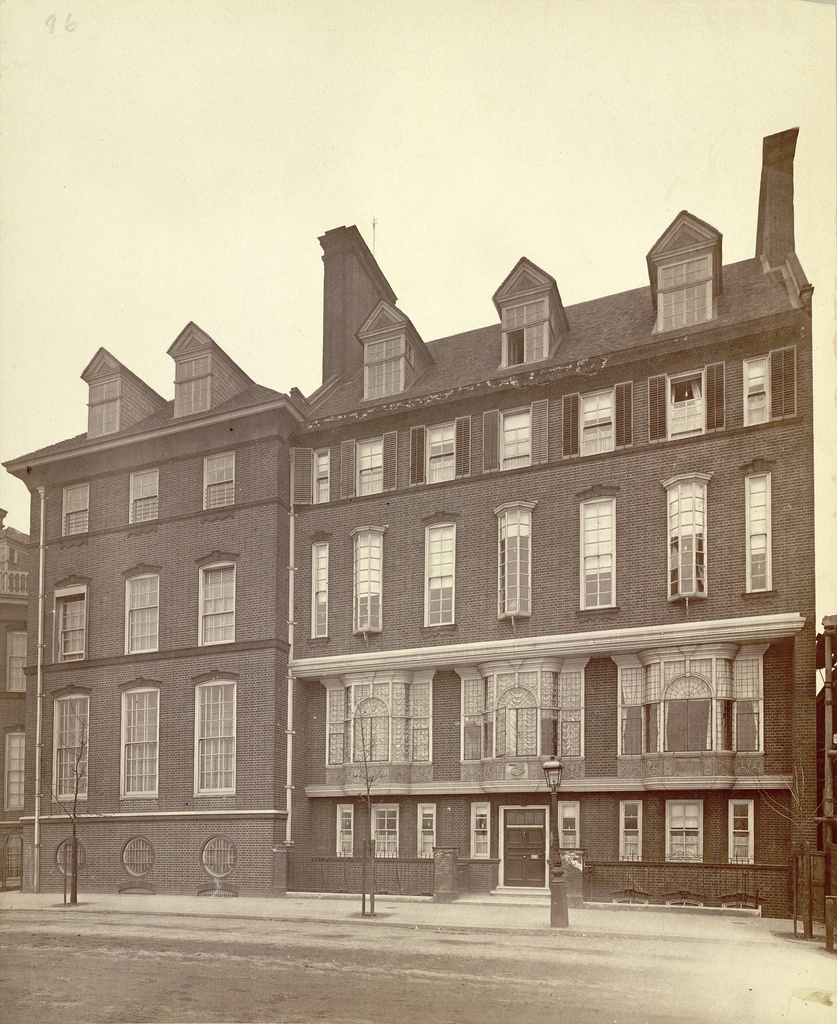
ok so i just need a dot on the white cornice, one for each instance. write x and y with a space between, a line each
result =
599 643
146 435
704 783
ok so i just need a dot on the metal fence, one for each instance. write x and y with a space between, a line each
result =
408 877
687 883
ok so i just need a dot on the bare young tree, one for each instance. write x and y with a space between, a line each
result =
73 769
364 726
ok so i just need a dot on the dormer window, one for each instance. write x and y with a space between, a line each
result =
103 416
684 268
531 314
684 295
526 333
393 352
385 367
191 387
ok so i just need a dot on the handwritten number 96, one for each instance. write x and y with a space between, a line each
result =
69 25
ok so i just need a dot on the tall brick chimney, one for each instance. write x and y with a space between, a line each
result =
352 286
774 237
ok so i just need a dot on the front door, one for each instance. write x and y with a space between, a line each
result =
524 847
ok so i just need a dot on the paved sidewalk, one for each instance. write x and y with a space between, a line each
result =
487 913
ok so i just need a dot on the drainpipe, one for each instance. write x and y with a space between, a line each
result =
289 732
39 705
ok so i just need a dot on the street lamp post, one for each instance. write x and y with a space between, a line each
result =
553 769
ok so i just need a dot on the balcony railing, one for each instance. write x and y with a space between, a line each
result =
13 582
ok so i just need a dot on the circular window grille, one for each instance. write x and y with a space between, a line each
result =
219 856
138 856
64 856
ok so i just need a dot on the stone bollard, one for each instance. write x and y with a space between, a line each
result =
445 874
830 921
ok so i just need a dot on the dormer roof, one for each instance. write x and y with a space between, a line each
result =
686 235
193 341
105 365
387 319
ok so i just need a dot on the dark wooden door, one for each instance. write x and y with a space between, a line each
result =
524 847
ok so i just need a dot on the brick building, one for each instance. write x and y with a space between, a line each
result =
581 530
164 673
14 565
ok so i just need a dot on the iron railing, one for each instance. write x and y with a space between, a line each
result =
408 877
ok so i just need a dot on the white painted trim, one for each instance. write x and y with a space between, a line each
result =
273 812
177 428
149 794
750 828
704 783
598 643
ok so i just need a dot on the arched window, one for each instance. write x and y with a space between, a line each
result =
688 714
219 856
372 730
517 723
138 856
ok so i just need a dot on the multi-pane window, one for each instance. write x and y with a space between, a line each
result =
687 536
598 535
217 602
770 386
630 830
319 589
758 532
425 829
144 495
525 333
381 721
691 704
103 416
440 562
219 480
684 293
684 830
685 405
756 384
385 366
70 747
516 439
76 507
191 387
370 466
523 713
15 662
321 461
441 453
514 571
385 829
741 831
345 830
215 738
480 830
597 423
368 563
13 793
140 722
142 600
568 824
70 625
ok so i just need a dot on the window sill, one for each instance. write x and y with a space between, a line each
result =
750 594
604 608
319 639
442 627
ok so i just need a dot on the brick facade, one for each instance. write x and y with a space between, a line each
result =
543 413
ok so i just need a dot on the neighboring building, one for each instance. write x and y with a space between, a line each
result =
165 647
14 565
583 531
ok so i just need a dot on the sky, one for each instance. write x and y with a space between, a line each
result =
174 160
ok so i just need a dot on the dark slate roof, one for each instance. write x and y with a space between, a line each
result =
254 395
599 327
